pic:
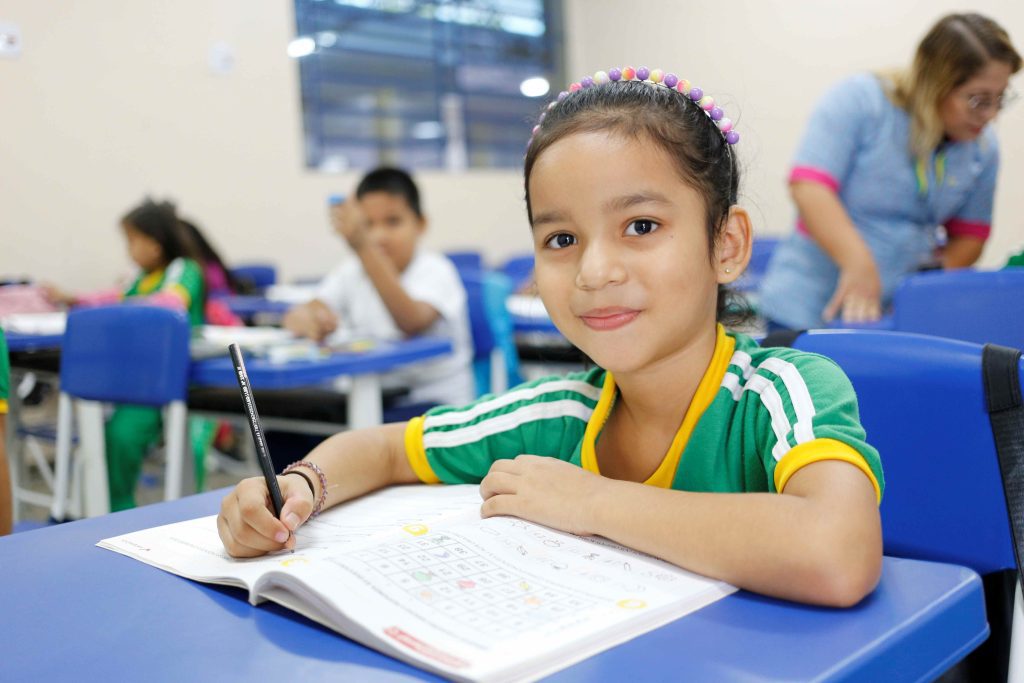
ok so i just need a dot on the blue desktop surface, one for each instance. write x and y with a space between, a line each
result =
20 342
73 611
247 306
267 374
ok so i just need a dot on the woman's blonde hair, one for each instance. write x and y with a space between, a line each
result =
955 49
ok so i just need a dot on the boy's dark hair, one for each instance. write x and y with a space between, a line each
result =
159 220
669 119
393 181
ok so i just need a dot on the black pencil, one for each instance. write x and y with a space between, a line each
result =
262 453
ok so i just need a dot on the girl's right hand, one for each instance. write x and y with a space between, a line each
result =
246 522
858 295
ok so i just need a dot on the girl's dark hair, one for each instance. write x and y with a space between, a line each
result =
159 221
641 111
393 181
207 254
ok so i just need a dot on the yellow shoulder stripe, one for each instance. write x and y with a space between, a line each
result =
179 289
3 406
417 454
804 454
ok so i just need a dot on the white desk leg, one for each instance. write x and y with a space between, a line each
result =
1016 670
176 450
92 452
62 466
365 402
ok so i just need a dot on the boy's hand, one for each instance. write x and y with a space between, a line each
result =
246 522
545 490
313 320
351 223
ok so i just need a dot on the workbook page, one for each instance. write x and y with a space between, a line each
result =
496 599
193 549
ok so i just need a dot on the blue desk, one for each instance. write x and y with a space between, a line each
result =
18 342
250 306
76 612
364 369
886 322
264 374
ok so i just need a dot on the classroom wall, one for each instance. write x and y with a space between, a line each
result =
113 100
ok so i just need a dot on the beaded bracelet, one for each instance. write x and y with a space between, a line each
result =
319 505
309 482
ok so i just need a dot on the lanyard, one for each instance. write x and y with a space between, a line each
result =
921 173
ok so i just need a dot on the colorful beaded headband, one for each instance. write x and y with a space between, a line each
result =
656 77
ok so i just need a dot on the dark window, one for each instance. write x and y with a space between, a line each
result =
424 84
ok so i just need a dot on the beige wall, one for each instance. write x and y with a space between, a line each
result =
113 99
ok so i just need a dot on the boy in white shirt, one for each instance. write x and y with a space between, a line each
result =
394 287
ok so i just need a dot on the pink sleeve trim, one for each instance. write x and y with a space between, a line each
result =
99 298
814 175
164 300
956 227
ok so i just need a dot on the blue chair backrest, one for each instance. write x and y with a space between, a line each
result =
978 306
259 275
126 353
760 253
922 402
490 324
519 269
484 340
466 260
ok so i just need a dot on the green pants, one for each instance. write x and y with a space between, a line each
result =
130 433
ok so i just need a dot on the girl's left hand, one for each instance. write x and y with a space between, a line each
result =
545 490
350 223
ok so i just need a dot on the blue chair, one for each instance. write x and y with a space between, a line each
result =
126 353
495 360
466 260
257 275
922 401
519 269
971 305
760 254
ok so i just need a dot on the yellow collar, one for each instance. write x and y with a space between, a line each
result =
705 394
151 281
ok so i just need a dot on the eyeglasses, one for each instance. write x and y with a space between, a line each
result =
984 103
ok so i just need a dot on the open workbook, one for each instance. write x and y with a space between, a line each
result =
414 572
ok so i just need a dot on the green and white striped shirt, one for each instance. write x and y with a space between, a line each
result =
757 417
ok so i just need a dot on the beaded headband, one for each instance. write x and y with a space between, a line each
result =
655 77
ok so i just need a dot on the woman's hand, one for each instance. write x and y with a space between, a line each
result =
858 295
545 490
351 223
246 522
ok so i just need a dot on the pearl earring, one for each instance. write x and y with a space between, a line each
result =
728 270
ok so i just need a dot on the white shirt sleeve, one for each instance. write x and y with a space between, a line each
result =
334 288
433 279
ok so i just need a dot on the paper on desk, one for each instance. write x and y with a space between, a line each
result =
292 294
526 306
35 323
